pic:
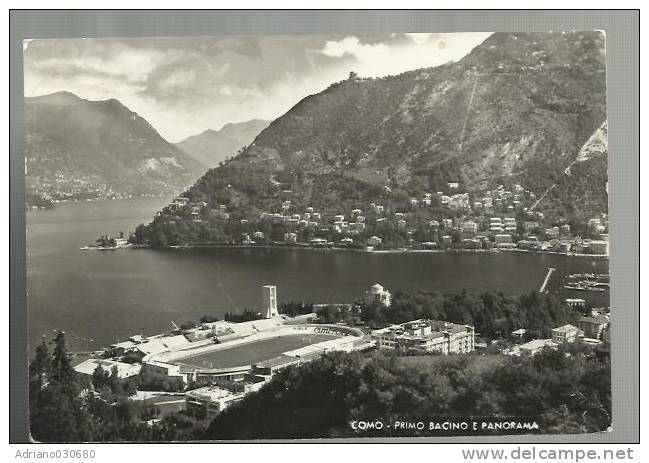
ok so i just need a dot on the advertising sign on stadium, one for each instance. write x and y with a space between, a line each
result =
332 331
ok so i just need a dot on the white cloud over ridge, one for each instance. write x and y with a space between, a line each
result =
183 86
424 50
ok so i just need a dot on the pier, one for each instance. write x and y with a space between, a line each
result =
547 279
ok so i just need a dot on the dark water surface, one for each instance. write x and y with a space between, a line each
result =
109 295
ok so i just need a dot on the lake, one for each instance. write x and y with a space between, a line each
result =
108 295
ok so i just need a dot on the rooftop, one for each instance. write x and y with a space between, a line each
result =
537 344
123 345
565 329
124 370
602 319
211 393
413 329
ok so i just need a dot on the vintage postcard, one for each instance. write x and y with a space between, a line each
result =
317 236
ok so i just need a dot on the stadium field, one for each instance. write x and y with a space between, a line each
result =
254 352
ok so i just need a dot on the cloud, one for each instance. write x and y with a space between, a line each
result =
178 79
185 85
130 65
378 59
353 46
419 38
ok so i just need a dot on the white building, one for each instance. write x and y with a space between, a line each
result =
427 336
533 347
576 303
377 293
566 333
470 226
212 398
495 225
552 232
599 247
593 326
374 241
269 300
503 238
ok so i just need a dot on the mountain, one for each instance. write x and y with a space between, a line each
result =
77 148
597 145
582 192
213 146
517 109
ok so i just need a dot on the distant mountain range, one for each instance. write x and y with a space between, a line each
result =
214 146
78 149
517 109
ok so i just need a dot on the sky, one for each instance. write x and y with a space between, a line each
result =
185 85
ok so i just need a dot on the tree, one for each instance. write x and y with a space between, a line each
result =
59 417
149 412
62 371
40 367
492 314
329 314
456 236
113 380
99 377
187 326
132 357
551 387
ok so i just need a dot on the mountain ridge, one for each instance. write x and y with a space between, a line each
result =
78 148
438 117
211 147
515 110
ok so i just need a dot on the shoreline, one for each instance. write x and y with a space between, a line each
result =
90 200
367 251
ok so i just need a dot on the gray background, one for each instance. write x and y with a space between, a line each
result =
622 32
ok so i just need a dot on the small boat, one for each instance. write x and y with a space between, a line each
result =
583 288
582 275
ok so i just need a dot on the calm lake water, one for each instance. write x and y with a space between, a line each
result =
109 295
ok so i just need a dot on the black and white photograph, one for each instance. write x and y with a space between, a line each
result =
317 236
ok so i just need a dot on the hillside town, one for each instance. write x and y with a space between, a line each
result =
60 187
500 219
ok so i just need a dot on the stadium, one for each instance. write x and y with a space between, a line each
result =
230 350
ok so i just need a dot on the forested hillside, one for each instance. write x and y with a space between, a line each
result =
81 149
517 109
561 393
